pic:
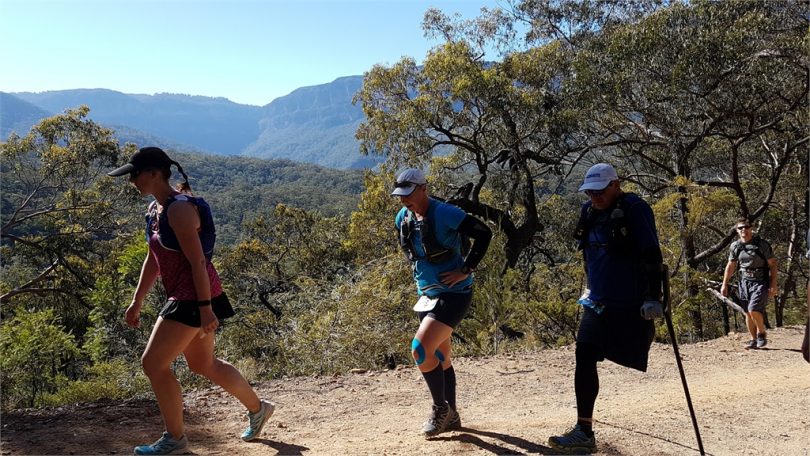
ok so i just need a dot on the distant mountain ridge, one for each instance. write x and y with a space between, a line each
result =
313 124
17 115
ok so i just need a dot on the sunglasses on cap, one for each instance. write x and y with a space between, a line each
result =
405 184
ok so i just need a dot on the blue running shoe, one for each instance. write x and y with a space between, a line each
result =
257 421
166 444
575 441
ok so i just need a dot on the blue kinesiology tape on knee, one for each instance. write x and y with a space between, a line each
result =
416 346
439 355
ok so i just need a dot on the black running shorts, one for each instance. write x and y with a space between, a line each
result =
188 312
620 335
451 308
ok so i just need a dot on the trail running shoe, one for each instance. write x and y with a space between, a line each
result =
761 340
574 441
455 421
440 417
751 344
166 444
257 421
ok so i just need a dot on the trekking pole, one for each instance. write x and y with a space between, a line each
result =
668 318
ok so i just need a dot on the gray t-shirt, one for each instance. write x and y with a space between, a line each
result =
751 258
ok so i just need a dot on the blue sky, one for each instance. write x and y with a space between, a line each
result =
249 51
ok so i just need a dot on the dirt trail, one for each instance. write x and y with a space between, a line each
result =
747 402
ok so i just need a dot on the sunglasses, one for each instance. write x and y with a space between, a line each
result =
743 227
598 192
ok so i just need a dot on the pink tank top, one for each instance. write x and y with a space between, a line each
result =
175 272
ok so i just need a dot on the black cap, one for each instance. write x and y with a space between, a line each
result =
145 158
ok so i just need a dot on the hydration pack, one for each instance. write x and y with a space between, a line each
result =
619 241
756 242
435 252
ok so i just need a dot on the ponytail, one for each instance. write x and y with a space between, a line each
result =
182 187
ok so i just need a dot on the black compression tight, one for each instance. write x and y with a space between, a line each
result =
586 380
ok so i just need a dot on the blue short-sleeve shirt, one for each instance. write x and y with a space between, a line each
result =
444 220
618 278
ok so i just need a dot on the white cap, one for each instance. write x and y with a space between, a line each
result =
407 181
598 177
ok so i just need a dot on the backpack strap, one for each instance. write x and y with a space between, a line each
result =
756 242
434 251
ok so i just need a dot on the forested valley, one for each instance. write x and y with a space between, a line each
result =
702 107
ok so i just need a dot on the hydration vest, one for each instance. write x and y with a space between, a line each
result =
159 223
619 237
435 252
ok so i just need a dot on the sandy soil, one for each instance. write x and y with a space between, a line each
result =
747 402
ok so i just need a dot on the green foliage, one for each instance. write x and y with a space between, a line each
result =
34 347
110 380
371 229
241 188
373 323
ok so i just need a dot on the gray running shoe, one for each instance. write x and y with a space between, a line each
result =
166 444
751 344
761 340
574 441
440 417
455 421
257 421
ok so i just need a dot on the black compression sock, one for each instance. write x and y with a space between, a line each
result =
450 386
435 383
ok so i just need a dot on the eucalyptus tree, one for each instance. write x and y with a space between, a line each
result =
59 212
504 124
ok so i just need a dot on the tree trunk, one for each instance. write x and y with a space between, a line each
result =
689 251
789 284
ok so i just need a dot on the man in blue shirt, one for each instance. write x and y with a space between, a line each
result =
616 233
430 234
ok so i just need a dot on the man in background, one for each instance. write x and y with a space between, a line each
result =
754 258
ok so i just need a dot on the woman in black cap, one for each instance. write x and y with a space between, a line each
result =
180 233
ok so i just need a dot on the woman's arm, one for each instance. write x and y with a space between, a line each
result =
149 274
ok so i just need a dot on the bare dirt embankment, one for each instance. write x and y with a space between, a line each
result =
747 402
